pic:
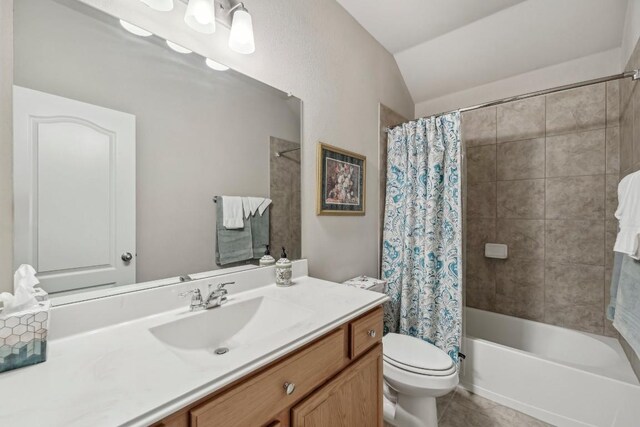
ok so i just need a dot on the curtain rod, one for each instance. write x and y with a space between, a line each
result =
634 74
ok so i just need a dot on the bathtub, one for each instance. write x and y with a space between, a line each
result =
558 375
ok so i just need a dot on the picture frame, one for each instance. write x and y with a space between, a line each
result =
341 181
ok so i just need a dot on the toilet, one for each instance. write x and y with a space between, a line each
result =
415 374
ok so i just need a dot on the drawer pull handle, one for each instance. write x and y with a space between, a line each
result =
289 388
371 333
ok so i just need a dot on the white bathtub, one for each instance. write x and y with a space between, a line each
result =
561 376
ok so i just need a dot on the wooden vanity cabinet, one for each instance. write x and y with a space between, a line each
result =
350 399
335 380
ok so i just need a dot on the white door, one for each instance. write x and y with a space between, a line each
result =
74 185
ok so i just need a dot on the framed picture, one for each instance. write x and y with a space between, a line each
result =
341 181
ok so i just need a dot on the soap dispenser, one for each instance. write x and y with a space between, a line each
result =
283 270
267 259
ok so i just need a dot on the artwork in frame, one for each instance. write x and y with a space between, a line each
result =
341 181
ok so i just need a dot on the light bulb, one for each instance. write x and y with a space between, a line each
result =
241 36
133 29
201 16
177 47
202 13
216 65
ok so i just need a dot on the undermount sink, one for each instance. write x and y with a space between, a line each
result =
231 326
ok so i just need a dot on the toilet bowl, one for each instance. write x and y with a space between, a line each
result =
415 373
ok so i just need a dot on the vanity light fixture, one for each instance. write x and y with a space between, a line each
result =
201 16
241 36
135 29
161 5
177 47
215 65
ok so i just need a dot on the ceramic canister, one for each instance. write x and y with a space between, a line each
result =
283 272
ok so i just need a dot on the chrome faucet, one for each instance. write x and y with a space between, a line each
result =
215 299
196 299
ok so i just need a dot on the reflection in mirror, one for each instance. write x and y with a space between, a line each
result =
121 145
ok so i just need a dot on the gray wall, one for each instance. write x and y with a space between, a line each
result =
542 178
317 51
200 132
6 145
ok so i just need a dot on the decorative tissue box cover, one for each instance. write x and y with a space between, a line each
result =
364 282
23 337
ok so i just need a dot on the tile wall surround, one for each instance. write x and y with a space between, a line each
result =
542 178
284 189
629 134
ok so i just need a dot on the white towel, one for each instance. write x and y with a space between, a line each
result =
232 212
628 214
251 205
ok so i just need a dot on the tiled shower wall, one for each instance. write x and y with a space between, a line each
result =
284 189
542 178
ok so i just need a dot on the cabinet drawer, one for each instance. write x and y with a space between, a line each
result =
365 332
258 400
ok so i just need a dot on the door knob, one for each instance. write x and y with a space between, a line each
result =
127 257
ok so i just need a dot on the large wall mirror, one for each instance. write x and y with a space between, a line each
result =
125 148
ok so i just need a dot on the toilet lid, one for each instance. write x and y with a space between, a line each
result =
415 355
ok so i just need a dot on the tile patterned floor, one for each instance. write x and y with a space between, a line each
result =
461 408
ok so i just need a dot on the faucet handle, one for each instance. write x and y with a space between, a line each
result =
222 285
195 292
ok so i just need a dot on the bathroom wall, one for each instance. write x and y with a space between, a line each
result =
6 146
284 190
630 31
542 178
630 147
317 51
581 69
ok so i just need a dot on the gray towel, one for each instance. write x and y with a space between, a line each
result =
232 245
260 233
241 244
627 308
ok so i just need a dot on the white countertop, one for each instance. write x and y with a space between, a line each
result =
123 375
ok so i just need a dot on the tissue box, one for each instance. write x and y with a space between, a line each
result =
368 283
23 337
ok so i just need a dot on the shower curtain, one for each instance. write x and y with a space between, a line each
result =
422 246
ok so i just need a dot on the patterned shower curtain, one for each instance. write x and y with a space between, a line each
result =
422 248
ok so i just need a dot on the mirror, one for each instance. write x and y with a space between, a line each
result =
122 146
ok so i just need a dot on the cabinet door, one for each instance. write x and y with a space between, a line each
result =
353 398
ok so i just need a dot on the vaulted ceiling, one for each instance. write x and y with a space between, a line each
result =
445 46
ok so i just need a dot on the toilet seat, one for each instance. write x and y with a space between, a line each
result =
420 371
416 356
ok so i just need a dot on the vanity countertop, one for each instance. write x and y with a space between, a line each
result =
123 375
